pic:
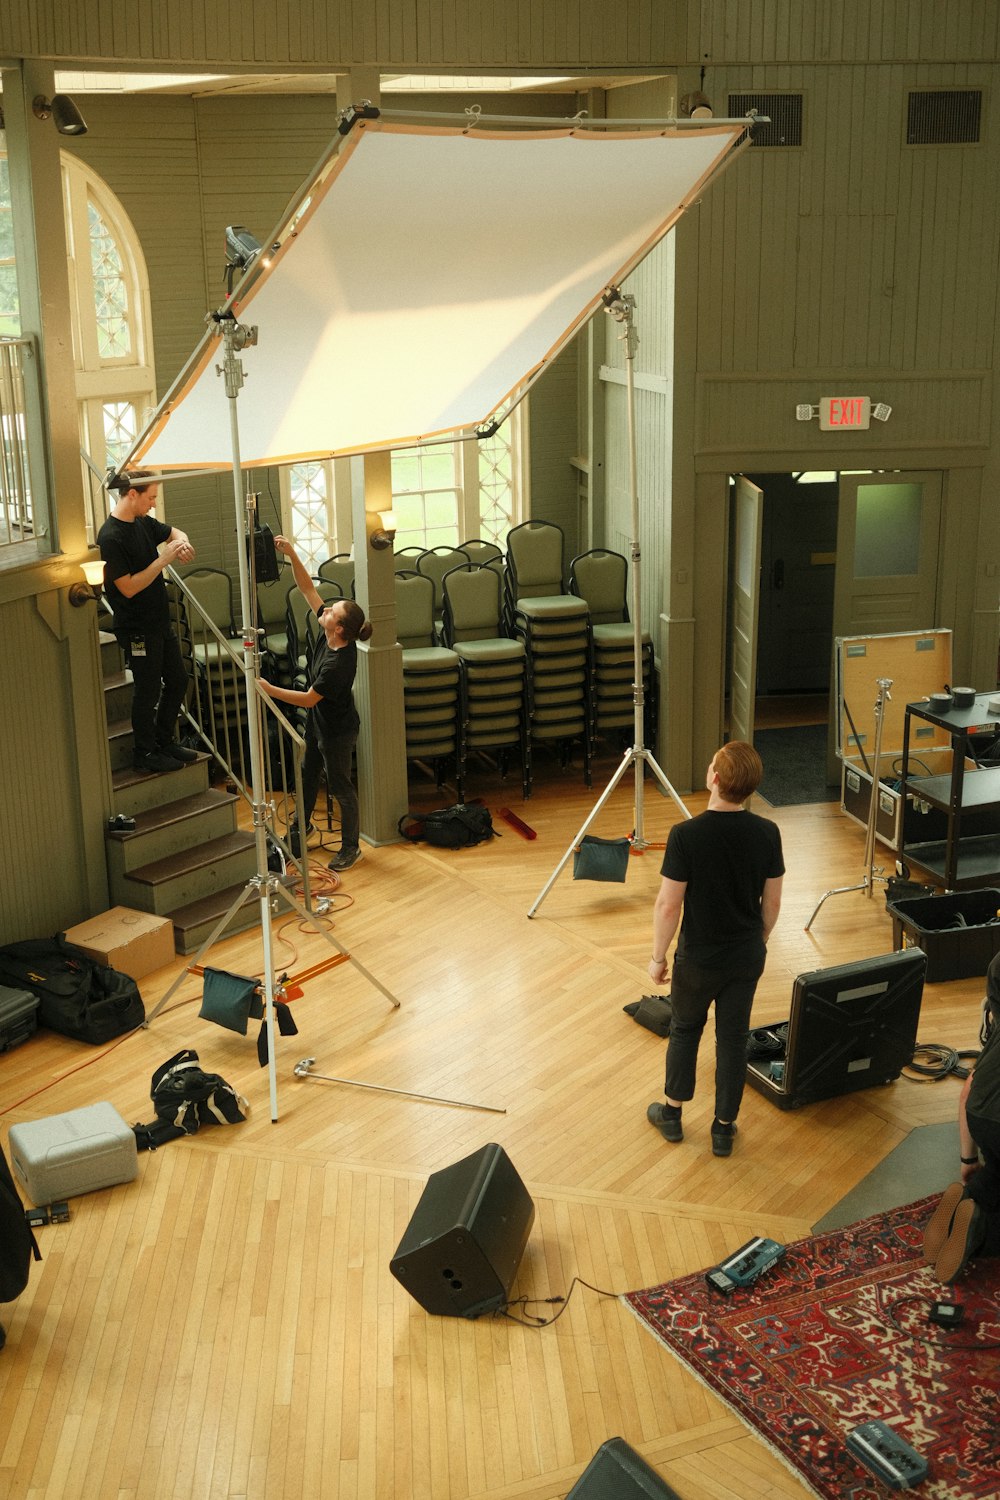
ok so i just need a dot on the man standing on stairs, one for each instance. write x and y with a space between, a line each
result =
135 589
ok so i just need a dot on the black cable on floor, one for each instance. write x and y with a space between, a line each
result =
939 1062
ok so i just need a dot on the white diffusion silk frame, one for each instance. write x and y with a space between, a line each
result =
430 276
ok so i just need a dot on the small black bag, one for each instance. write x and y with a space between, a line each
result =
653 1012
17 1242
78 997
455 827
601 859
185 1097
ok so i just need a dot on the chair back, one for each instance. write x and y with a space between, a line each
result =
339 569
414 610
434 564
472 604
486 554
213 590
601 579
534 560
405 560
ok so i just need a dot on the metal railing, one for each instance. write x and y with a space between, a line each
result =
18 383
218 712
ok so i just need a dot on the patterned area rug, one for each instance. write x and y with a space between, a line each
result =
837 1334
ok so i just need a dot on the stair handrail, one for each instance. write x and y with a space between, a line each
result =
222 673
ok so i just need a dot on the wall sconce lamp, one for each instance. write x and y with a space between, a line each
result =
84 593
62 110
386 533
696 106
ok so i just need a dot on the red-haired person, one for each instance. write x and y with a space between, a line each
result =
721 884
332 723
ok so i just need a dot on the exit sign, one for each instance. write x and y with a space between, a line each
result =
839 413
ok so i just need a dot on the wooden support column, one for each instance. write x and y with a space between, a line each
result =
378 688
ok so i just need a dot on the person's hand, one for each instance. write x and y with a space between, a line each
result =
284 546
657 972
268 687
179 551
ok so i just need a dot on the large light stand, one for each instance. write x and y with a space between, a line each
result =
266 884
867 882
622 309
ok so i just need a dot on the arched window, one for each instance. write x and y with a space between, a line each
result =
109 292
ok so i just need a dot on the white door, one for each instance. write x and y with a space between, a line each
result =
745 573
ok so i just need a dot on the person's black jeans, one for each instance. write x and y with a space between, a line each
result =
692 991
984 1186
159 683
334 754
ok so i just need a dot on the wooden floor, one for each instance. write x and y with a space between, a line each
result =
226 1325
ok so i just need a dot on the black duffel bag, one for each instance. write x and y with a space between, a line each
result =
77 996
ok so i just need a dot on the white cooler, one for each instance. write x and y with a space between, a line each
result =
78 1152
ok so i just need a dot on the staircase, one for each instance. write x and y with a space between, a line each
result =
187 858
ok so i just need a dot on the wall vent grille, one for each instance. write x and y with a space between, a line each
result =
943 117
783 110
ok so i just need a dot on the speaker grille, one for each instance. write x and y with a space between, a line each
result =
943 117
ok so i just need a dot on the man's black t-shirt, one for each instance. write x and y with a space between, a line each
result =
332 673
724 859
129 547
984 1090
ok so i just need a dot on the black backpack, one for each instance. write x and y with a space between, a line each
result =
185 1097
455 827
77 996
17 1242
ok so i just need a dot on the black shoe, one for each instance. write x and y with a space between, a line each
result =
346 859
294 842
177 752
940 1222
667 1119
968 1229
154 762
722 1138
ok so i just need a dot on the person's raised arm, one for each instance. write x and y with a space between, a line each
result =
300 573
177 549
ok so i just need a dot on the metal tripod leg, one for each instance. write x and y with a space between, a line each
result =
297 906
244 896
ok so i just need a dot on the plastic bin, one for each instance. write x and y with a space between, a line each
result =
959 933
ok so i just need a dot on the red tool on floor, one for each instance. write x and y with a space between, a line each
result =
517 824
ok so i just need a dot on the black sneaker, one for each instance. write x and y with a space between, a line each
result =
722 1138
155 762
667 1119
346 859
177 752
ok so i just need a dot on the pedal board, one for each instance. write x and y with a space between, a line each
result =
744 1265
888 1456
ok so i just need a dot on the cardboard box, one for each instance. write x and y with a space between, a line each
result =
134 942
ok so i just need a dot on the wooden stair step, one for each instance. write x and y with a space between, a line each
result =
162 870
195 922
173 812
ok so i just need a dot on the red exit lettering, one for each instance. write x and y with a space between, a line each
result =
845 413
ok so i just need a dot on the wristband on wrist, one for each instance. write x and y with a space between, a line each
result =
969 1161
659 960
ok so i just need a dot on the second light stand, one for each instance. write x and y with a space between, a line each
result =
867 882
637 757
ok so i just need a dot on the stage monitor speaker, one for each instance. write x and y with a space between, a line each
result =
463 1245
616 1472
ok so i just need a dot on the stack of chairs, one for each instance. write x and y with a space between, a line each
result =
493 707
434 563
339 569
554 627
431 686
218 674
600 578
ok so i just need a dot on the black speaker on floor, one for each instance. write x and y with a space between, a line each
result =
463 1245
616 1472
